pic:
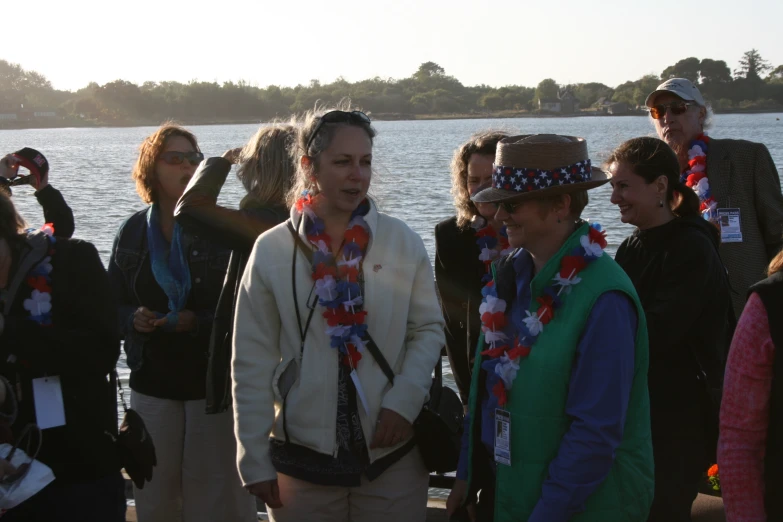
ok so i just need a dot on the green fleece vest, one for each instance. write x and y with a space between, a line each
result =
537 404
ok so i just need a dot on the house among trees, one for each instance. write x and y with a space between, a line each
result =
565 103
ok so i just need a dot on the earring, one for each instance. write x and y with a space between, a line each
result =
660 203
558 220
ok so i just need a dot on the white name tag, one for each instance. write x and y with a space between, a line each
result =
730 225
502 437
48 400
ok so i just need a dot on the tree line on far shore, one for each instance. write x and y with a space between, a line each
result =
755 84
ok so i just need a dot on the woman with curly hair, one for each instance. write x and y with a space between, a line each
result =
465 246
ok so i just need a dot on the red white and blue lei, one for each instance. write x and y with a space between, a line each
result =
39 305
337 281
506 346
696 178
492 244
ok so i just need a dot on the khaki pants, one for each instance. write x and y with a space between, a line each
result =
196 479
398 495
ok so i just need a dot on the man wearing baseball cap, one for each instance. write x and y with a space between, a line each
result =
56 210
736 181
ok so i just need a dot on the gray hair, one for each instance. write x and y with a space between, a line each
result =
321 142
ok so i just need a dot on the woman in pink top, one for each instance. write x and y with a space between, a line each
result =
750 451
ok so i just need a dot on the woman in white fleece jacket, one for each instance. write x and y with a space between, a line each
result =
322 434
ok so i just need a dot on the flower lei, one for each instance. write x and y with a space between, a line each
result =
503 360
337 284
488 241
40 280
695 177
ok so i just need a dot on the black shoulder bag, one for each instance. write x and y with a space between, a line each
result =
438 428
135 448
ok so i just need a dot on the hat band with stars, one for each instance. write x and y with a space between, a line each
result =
524 180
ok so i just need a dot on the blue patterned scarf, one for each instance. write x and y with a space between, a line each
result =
169 264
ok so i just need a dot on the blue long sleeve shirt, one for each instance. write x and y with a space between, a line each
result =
599 391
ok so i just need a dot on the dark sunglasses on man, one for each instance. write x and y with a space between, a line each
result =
173 157
677 108
356 117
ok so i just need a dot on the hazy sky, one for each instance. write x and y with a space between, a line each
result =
290 42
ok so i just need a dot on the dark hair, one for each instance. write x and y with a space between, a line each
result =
11 223
652 158
150 150
480 143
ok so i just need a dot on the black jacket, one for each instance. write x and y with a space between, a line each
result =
198 212
81 347
166 365
56 211
458 273
685 293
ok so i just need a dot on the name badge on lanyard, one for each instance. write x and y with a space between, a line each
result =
730 225
502 437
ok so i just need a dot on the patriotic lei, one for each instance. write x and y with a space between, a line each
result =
40 280
337 283
503 360
695 177
488 240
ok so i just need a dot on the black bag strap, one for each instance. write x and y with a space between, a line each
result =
435 390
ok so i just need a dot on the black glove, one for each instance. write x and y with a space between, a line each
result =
136 449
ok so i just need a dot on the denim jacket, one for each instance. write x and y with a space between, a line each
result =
207 262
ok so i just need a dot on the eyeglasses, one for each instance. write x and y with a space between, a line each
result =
174 157
508 208
677 108
337 117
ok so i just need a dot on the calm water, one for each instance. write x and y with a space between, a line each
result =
92 166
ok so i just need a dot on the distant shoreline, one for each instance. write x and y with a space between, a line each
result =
76 123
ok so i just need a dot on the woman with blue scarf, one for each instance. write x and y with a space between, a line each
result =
168 283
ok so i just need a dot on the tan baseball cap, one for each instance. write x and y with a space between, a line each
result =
679 87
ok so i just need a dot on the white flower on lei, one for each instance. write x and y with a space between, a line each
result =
356 301
699 167
39 303
507 370
338 330
325 288
492 337
533 323
492 304
321 246
309 212
695 152
354 262
357 220
592 249
488 254
702 187
358 343
566 284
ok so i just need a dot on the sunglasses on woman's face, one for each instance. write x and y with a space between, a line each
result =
173 157
677 108
337 117
508 208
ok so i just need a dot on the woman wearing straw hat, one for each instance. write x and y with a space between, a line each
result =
559 392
